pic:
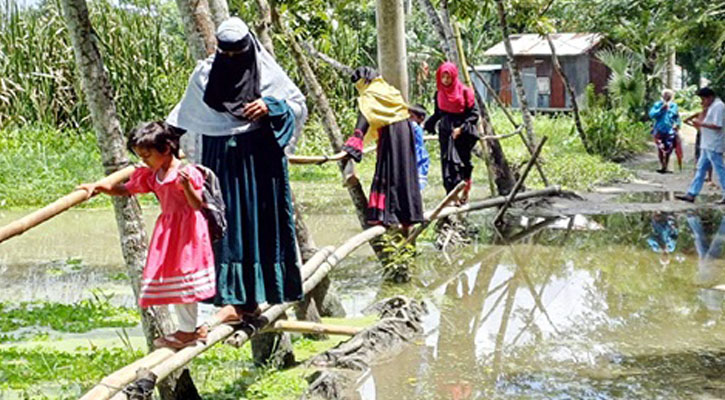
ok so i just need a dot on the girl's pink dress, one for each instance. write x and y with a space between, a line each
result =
180 263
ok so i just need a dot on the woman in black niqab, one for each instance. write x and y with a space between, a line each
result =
234 77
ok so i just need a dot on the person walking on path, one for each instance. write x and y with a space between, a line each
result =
455 117
700 117
712 144
383 116
247 110
665 131
179 267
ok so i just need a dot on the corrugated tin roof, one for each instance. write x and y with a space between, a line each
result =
488 67
532 44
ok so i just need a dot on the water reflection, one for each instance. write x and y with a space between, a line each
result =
710 262
559 313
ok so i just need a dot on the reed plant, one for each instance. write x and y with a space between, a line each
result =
143 49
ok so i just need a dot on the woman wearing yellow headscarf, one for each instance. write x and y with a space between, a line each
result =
383 115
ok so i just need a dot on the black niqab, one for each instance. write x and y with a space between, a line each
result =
234 78
367 73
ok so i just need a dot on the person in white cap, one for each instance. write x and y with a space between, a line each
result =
247 111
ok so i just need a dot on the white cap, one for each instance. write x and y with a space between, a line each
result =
232 30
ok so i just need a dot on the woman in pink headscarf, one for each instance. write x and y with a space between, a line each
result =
455 117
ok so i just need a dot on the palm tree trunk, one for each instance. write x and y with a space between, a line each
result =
99 98
219 11
392 54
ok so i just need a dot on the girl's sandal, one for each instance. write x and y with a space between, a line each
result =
173 342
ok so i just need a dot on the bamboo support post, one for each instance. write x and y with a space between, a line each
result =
312 327
51 210
434 214
520 182
505 136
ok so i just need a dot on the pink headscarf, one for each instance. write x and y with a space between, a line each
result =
456 97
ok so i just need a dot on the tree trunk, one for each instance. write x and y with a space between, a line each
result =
435 20
455 56
572 95
392 55
199 28
516 75
329 122
264 25
219 11
99 98
671 67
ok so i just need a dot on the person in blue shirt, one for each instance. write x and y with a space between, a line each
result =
665 131
417 116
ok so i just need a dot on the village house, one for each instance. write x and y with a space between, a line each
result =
544 88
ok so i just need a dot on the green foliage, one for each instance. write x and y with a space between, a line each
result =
398 256
41 163
565 161
81 317
143 50
31 369
612 133
626 83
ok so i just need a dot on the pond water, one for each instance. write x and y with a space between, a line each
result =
593 309
597 314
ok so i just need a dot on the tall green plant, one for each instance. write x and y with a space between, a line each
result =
142 45
626 83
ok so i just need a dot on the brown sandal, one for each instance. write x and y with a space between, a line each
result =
172 342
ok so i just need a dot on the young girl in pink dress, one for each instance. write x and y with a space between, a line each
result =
180 264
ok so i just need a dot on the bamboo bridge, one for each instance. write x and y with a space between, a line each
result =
164 361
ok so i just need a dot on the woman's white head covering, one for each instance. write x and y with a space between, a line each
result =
194 115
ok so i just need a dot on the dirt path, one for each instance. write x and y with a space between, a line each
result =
648 191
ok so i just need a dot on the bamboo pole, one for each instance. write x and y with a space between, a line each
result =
520 182
302 160
51 210
434 214
312 272
311 327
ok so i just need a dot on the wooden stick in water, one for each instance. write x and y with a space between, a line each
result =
520 182
311 327
453 195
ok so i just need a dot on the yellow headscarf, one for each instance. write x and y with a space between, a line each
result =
381 104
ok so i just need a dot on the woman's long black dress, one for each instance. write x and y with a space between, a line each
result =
455 153
394 194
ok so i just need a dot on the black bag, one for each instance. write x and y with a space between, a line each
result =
213 208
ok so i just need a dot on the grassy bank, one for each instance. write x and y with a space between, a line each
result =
42 163
39 370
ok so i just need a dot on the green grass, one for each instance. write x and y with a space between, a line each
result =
83 316
565 161
222 372
42 163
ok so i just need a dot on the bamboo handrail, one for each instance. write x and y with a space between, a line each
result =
76 197
163 362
